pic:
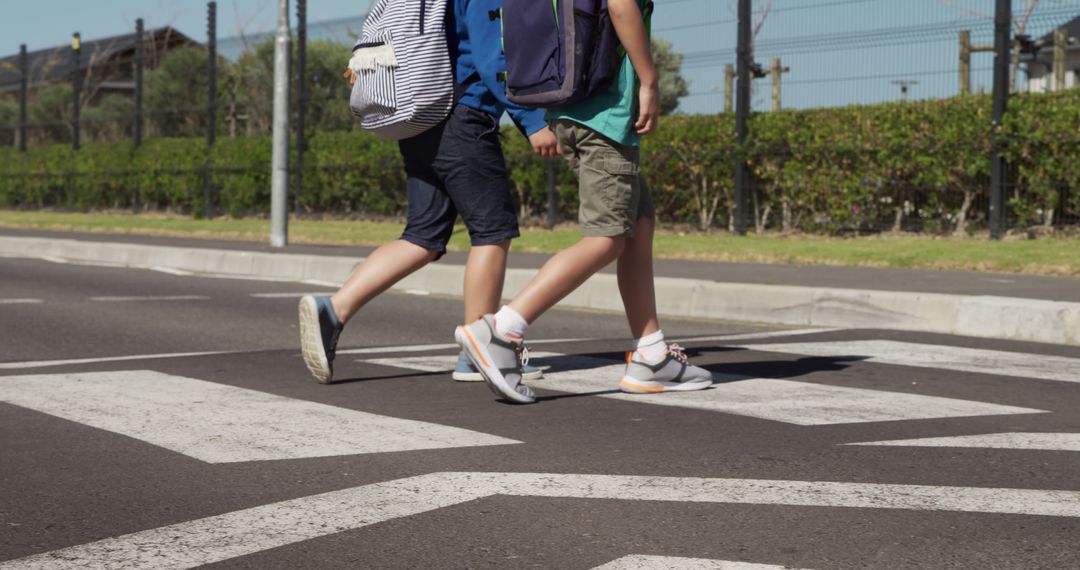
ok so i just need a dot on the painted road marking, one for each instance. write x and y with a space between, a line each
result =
756 336
153 298
434 347
44 363
239 533
800 403
171 271
1018 440
640 562
285 295
941 357
20 301
222 424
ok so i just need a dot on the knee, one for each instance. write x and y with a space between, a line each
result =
615 247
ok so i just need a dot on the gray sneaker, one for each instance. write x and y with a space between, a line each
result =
499 360
319 331
464 371
670 374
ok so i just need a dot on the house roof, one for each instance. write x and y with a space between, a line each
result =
1072 29
52 64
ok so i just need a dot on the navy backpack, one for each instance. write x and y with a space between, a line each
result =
558 52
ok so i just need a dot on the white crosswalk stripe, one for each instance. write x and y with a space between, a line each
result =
220 424
251 530
229 535
641 562
939 357
800 403
1011 440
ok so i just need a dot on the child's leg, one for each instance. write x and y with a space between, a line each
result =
636 280
427 230
387 265
472 165
485 272
609 190
565 272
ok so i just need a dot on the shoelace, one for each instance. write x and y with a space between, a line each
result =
522 354
677 352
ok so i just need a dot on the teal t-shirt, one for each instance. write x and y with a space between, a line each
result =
613 113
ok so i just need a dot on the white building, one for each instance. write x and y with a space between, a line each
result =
1040 67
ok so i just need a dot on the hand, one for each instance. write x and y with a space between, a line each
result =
544 143
649 103
350 75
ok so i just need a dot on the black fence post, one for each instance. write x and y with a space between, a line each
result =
552 197
742 116
24 81
137 126
1002 28
76 87
140 55
211 104
301 98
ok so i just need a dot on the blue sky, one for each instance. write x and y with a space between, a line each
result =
840 51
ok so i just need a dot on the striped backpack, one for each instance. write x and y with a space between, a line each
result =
404 82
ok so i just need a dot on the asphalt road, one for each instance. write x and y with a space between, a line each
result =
153 420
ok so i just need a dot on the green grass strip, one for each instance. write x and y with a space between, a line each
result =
1045 256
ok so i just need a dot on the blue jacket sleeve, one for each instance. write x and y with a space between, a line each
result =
486 38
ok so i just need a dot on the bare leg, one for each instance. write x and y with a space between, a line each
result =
564 273
485 272
636 280
385 266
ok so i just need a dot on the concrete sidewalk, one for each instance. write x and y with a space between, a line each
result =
993 305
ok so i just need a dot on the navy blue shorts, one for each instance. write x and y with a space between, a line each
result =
458 168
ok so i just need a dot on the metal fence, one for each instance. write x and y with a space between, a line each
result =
806 64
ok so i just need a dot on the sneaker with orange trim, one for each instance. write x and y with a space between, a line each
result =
672 373
499 360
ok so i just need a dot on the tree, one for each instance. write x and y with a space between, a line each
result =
49 113
176 93
672 84
327 107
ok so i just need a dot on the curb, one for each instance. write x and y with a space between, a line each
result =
979 316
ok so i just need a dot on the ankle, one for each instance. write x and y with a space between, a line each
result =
510 324
651 347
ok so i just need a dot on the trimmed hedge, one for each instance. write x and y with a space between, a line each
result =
921 165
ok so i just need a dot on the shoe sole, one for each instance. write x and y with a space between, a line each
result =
634 386
311 344
492 376
477 377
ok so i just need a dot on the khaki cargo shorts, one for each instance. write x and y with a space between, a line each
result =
614 195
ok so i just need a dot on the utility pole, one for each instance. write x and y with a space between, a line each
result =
1002 31
966 49
729 88
76 87
776 71
279 175
742 117
24 83
1061 43
140 62
301 98
211 105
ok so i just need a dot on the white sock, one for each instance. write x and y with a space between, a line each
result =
652 346
510 324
